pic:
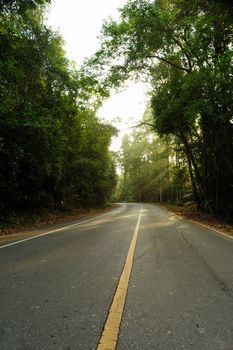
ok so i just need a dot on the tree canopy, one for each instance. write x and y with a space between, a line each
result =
184 49
54 152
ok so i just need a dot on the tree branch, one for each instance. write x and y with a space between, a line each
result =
165 60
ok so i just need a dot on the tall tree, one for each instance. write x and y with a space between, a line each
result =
185 50
53 149
153 169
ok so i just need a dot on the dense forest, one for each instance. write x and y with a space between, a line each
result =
152 170
54 152
184 50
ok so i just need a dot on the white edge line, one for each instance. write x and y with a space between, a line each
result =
59 229
200 224
210 228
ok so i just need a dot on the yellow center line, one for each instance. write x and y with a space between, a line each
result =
110 333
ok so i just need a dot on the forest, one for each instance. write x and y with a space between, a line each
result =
183 49
153 170
54 151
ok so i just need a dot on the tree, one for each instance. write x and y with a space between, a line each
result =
54 152
20 7
184 49
153 170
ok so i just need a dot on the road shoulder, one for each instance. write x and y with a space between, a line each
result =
24 232
201 219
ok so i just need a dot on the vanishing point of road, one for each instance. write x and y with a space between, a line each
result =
137 277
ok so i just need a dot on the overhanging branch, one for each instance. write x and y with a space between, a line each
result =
173 64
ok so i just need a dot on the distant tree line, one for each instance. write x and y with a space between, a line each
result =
152 170
185 50
54 152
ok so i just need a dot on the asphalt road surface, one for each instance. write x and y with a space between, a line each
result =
56 289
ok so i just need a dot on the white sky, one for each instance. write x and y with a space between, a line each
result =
79 22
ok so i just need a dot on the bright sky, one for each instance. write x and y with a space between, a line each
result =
79 22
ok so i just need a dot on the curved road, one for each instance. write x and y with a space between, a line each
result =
56 289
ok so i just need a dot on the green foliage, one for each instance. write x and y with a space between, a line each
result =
184 49
152 169
53 149
20 7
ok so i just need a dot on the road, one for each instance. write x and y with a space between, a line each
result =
56 290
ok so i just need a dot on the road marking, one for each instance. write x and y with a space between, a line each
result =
59 229
211 228
199 223
110 333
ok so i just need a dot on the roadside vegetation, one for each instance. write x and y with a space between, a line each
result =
184 49
54 152
154 170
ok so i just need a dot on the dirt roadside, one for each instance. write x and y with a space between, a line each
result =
201 218
49 222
